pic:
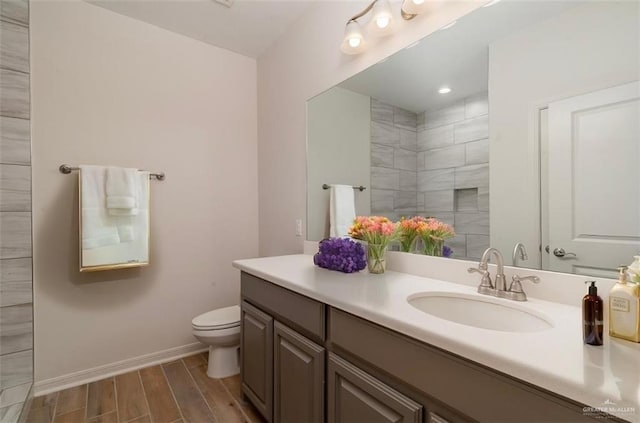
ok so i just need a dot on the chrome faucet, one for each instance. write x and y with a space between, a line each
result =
519 251
514 292
501 284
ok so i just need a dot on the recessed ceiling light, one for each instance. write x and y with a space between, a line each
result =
449 25
444 90
491 3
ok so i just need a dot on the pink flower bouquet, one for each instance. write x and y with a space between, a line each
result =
433 233
377 231
408 231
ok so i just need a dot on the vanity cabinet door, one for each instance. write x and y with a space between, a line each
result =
256 356
355 396
298 377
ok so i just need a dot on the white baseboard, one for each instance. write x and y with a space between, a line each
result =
70 380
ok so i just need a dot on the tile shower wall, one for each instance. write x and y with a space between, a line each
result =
393 161
16 305
453 171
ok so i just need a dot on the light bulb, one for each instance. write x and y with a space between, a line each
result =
444 90
354 41
382 17
382 21
417 2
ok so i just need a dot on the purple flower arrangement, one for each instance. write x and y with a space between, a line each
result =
341 254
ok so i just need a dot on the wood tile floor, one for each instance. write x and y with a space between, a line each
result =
178 391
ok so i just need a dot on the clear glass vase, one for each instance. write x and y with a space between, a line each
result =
433 246
407 243
418 246
376 262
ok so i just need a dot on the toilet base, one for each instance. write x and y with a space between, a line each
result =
223 362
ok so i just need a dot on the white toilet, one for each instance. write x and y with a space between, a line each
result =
220 329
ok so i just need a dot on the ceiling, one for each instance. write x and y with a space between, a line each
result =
247 27
456 57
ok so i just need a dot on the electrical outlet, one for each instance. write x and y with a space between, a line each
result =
298 227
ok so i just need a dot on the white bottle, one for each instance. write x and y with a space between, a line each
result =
624 309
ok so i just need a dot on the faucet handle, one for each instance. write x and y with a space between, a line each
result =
474 269
517 279
485 287
516 292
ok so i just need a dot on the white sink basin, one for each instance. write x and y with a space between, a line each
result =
479 311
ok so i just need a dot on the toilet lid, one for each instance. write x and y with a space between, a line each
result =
220 318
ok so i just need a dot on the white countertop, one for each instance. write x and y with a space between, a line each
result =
555 359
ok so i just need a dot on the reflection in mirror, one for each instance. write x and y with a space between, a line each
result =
537 141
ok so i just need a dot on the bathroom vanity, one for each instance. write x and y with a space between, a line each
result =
321 346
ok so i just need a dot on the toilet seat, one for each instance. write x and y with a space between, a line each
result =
222 318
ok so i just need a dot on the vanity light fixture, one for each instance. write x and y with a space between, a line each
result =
444 90
381 22
411 8
382 16
353 42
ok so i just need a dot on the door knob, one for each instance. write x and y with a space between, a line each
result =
560 253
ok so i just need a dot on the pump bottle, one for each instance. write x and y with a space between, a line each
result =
624 308
592 316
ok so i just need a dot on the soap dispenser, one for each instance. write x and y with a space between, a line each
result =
592 324
624 308
634 270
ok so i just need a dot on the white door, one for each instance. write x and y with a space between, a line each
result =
593 206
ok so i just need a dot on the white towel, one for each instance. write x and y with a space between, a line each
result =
131 227
122 190
342 210
125 232
98 228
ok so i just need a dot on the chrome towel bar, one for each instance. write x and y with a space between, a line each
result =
359 188
66 169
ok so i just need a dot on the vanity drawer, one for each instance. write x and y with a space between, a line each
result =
476 391
303 314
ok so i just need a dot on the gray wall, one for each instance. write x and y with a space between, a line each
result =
436 164
453 171
393 161
16 304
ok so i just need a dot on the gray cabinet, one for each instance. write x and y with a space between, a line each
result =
256 358
354 396
283 365
373 374
298 377
454 388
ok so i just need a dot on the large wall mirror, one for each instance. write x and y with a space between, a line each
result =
537 142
